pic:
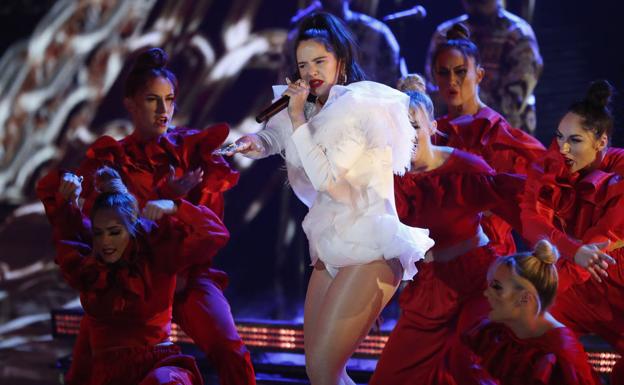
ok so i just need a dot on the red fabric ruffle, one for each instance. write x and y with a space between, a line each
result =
456 192
129 366
555 358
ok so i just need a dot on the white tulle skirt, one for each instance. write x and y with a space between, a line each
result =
341 236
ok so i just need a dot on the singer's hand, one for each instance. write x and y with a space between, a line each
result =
298 93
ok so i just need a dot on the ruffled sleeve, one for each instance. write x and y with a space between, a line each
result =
542 194
596 199
193 149
464 181
192 236
366 119
78 266
66 217
556 358
487 133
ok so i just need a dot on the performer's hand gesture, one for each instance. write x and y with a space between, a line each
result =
70 187
298 93
591 258
244 145
156 209
185 183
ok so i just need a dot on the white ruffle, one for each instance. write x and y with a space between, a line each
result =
341 164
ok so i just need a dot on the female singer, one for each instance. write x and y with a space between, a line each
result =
341 152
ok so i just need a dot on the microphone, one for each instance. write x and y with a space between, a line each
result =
277 106
419 12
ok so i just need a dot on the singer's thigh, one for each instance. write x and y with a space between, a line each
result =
353 301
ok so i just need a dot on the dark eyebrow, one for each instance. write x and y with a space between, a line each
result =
157 96
459 66
115 227
316 58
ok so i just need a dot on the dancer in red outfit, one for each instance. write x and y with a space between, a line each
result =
447 189
576 201
160 162
473 127
522 343
126 277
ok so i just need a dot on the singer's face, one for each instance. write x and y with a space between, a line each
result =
317 66
151 109
457 78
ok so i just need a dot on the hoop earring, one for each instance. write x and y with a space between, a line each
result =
344 77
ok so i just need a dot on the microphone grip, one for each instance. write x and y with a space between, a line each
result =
273 109
277 106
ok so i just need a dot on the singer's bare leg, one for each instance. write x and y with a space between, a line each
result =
339 313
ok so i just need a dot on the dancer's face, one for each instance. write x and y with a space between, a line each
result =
151 109
579 147
318 67
504 295
457 77
110 236
424 129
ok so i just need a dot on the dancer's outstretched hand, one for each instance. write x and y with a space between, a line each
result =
594 260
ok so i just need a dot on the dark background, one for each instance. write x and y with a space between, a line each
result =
266 257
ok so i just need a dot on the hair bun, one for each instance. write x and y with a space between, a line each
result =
599 93
151 58
458 32
108 180
412 82
546 252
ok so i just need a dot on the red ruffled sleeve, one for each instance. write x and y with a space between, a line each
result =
613 161
65 217
546 192
192 236
195 149
556 358
571 210
488 134
463 182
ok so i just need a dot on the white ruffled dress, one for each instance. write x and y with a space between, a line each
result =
341 165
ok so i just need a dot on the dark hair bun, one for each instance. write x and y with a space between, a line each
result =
599 93
108 180
458 32
153 58
546 252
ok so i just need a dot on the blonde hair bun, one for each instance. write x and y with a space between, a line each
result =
412 82
546 252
